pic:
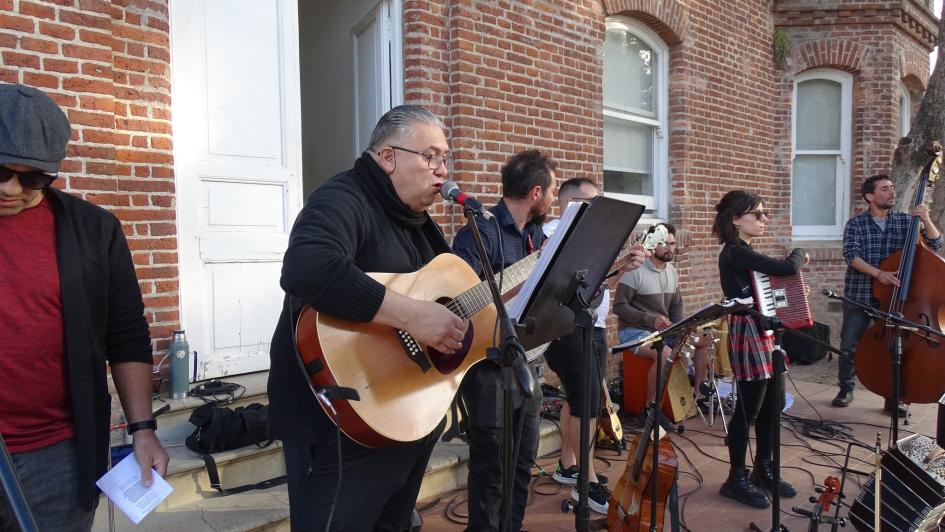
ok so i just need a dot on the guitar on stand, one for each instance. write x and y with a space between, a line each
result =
610 429
630 503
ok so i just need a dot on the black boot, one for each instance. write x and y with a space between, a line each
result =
762 477
737 487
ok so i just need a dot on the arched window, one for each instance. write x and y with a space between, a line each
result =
635 115
820 174
905 110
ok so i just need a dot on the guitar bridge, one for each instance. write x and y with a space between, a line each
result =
413 350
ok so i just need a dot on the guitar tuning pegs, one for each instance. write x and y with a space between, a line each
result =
812 499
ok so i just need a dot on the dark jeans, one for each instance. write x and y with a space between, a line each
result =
482 394
752 406
855 323
48 476
379 487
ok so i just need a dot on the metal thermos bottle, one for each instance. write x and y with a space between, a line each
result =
180 365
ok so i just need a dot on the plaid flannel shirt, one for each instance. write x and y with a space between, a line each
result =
864 239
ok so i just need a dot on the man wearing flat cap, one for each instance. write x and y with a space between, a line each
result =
69 304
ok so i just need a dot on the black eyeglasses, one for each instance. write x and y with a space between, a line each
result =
433 160
36 179
758 215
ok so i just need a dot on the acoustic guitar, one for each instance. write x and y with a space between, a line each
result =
404 389
629 506
610 429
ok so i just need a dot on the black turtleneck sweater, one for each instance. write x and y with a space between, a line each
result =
352 224
738 260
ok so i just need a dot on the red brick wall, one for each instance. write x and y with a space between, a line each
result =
511 75
506 75
107 63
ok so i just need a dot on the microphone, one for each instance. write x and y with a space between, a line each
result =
829 293
451 192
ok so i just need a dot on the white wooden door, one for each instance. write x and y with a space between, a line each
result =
377 81
237 149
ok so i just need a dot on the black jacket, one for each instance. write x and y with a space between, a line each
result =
103 320
737 261
349 225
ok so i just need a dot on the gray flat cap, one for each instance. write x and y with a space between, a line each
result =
33 129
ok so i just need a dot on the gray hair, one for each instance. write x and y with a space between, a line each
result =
396 123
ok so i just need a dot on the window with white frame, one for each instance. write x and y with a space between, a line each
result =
905 110
820 174
635 115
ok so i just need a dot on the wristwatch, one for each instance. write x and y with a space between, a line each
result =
141 425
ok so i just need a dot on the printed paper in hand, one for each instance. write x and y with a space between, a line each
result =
122 484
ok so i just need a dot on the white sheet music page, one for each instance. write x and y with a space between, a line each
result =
516 307
122 484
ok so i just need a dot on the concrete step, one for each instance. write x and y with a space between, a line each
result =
195 506
261 510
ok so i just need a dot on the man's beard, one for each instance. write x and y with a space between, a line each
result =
537 217
666 257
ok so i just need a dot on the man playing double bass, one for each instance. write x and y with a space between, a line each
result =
868 239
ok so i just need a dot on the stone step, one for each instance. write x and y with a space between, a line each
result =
196 506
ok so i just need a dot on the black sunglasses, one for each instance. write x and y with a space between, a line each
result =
36 179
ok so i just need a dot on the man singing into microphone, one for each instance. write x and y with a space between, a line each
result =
372 218
527 180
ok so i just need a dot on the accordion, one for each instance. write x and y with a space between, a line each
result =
782 297
912 492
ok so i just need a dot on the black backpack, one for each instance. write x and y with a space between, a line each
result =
222 429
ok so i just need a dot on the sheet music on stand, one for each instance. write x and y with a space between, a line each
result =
516 307
585 245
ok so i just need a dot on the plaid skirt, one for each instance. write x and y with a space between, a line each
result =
749 349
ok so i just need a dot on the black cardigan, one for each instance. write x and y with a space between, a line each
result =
342 232
736 261
103 320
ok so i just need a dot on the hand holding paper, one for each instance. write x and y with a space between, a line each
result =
123 485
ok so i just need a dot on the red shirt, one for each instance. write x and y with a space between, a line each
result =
35 408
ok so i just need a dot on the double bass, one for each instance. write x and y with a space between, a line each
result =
922 375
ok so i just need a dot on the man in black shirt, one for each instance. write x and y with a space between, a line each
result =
371 218
70 310
527 181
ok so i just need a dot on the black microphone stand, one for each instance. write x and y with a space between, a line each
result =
14 491
510 355
771 323
898 323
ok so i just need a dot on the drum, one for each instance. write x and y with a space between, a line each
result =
723 364
678 403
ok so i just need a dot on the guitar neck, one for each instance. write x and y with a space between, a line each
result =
651 417
470 302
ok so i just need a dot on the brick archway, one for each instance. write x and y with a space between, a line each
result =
668 18
914 70
828 53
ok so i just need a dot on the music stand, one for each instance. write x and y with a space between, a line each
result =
558 294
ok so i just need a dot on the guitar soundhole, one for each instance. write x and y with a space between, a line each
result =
446 364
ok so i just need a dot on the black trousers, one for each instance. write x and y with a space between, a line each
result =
752 406
482 394
379 487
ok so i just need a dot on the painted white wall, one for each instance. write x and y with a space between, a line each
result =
327 81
